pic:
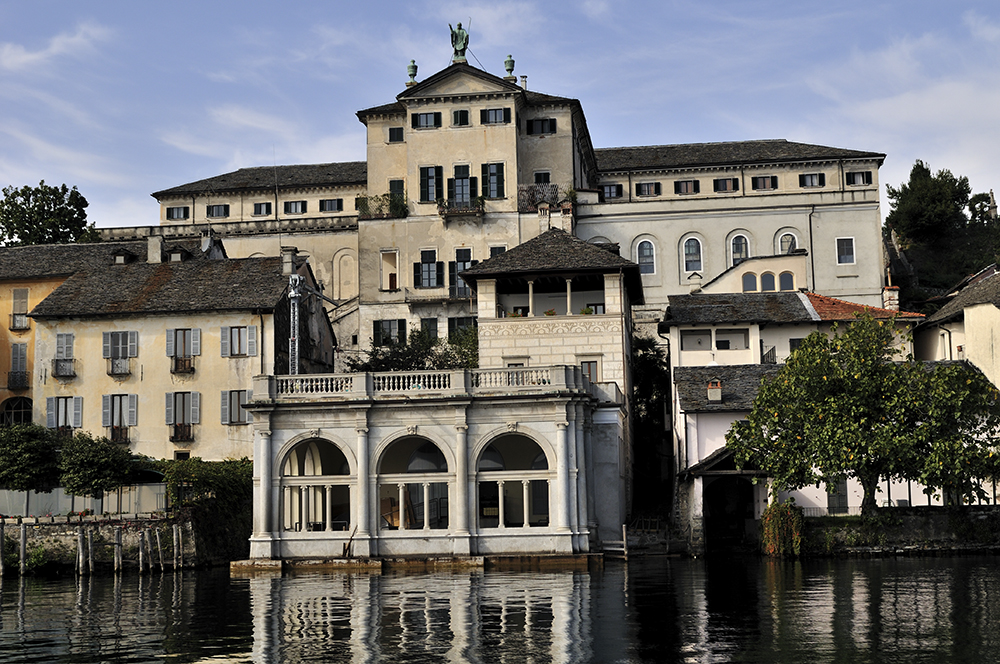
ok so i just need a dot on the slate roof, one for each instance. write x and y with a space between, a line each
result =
266 177
60 260
985 291
733 153
782 307
194 285
740 383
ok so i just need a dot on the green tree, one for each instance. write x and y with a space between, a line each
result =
421 353
649 400
44 215
28 458
846 406
90 466
930 206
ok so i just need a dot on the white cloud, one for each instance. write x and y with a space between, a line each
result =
239 118
595 9
15 57
981 27
83 166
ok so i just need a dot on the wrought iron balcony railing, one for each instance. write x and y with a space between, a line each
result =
181 433
385 206
18 380
64 368
19 322
119 366
182 365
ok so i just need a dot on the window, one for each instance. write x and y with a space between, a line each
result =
239 341
541 126
542 177
793 344
295 207
692 255
117 348
493 180
647 189
261 209
182 345
696 340
430 183
463 261
390 279
646 258
460 118
397 188
726 184
749 282
494 116
395 134
216 211
732 339
17 377
687 187
429 326
182 410
612 191
460 323
16 410
331 205
62 365
812 180
767 282
118 413
764 182
429 272
787 243
233 406
845 250
857 178
425 120
388 332
181 212
64 413
589 368
741 249
19 310
597 307
786 281
496 251
182 456
462 188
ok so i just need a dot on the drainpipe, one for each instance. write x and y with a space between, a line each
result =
812 253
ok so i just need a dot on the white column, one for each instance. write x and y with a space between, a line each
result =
329 507
574 524
525 489
569 297
362 518
501 511
581 465
303 509
561 493
461 511
262 483
531 297
402 502
427 507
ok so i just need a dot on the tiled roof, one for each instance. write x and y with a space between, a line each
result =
740 383
709 308
60 260
283 177
985 291
194 285
720 154
832 309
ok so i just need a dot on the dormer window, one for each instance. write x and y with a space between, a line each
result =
177 254
123 257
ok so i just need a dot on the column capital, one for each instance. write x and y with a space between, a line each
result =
461 428
361 430
562 425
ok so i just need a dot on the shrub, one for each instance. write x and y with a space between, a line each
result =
782 530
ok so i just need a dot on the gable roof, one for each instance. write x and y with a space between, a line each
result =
780 307
832 309
733 153
281 177
194 285
984 291
740 384
61 260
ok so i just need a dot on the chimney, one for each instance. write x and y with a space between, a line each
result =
524 82
890 298
715 391
695 281
154 249
288 255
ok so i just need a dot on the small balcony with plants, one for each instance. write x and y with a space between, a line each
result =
472 206
384 206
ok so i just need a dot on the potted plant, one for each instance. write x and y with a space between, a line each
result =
586 311
550 312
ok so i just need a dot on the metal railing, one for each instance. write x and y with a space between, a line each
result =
385 206
181 433
182 365
18 380
460 206
64 368
119 434
19 322
119 366
530 195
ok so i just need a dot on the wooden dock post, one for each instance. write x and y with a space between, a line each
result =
177 549
159 548
90 551
3 547
80 561
24 548
142 550
118 549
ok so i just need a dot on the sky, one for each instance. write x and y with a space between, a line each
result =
125 98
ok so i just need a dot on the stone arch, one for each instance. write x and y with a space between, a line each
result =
16 410
380 449
487 439
345 274
314 505
289 445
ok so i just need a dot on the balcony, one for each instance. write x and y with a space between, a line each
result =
181 433
462 207
530 195
18 380
119 366
19 322
768 355
118 434
64 368
386 206
182 365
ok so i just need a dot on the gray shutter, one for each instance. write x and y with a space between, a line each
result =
552 125
133 410
20 300
500 184
774 182
195 407
822 179
77 412
249 399
170 345
736 184
133 344
19 357
413 121
106 347
401 326
196 341
60 346
170 408
69 346
50 412
225 341
105 409
438 179
437 119
506 116
802 180
252 340
483 116
697 187
225 406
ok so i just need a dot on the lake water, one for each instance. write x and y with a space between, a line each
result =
653 610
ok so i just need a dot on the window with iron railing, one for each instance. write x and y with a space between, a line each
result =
64 368
19 321
181 433
119 434
17 380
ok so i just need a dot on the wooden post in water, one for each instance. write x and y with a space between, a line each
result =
180 543
149 550
3 546
177 548
159 548
142 550
90 551
24 548
118 549
80 562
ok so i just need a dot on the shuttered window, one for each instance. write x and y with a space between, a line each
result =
239 341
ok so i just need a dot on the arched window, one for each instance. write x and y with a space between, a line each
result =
411 495
647 261
513 484
787 243
319 499
16 410
786 281
741 249
692 255
749 282
767 282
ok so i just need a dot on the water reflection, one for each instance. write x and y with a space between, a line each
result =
941 610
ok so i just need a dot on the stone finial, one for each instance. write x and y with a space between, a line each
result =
411 70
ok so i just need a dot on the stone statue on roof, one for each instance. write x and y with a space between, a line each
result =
459 42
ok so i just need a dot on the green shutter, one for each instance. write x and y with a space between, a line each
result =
377 332
506 116
414 122
500 185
